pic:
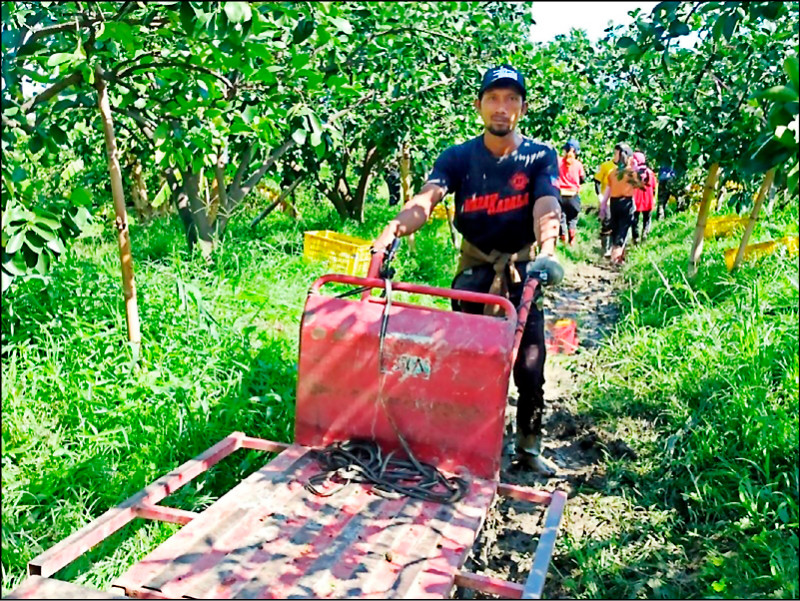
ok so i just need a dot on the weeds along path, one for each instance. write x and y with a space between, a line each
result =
506 544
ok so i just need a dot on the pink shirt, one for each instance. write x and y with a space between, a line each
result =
570 176
643 199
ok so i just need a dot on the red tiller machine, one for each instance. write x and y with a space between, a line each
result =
428 381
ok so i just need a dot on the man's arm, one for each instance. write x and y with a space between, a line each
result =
546 223
413 216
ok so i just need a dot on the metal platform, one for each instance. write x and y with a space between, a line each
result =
269 537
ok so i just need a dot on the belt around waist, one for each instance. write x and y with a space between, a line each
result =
622 198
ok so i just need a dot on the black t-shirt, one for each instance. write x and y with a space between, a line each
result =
494 196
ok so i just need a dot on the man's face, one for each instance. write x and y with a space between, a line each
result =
616 155
569 152
501 109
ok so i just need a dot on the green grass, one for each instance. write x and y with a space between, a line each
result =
84 427
708 370
709 367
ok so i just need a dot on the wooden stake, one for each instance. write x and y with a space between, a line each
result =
702 218
117 193
751 224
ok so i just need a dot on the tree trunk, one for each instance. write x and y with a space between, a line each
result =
702 217
751 224
182 204
371 159
197 205
117 193
141 202
212 202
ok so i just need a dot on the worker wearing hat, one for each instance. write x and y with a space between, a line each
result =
507 209
571 175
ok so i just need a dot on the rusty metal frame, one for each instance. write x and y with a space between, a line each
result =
144 504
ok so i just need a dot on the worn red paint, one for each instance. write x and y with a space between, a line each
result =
442 377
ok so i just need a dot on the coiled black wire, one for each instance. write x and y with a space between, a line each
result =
362 461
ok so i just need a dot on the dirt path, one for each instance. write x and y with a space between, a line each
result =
572 442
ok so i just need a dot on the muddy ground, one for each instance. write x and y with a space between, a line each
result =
572 442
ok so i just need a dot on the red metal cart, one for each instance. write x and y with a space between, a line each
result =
368 367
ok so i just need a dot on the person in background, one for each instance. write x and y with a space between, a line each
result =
391 175
570 177
600 185
643 197
618 201
666 181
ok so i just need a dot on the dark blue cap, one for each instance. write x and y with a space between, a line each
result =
573 143
503 75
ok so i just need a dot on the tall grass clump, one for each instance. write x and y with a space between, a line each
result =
712 366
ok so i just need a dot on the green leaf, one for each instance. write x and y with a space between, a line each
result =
162 196
729 25
81 218
299 136
161 132
58 135
237 11
15 243
44 232
72 169
34 241
81 197
678 28
56 245
43 263
59 58
250 112
777 93
300 60
46 219
15 264
36 143
187 16
304 29
625 42
790 65
19 174
7 279
342 24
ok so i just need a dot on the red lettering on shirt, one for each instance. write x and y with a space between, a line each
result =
493 204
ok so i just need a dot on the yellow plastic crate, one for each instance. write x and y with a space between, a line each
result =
754 251
440 212
344 254
723 225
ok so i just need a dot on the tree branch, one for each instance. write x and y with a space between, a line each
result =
254 179
206 70
122 10
12 123
53 90
144 124
247 156
277 201
57 28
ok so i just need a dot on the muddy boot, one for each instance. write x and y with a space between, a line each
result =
529 452
572 235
